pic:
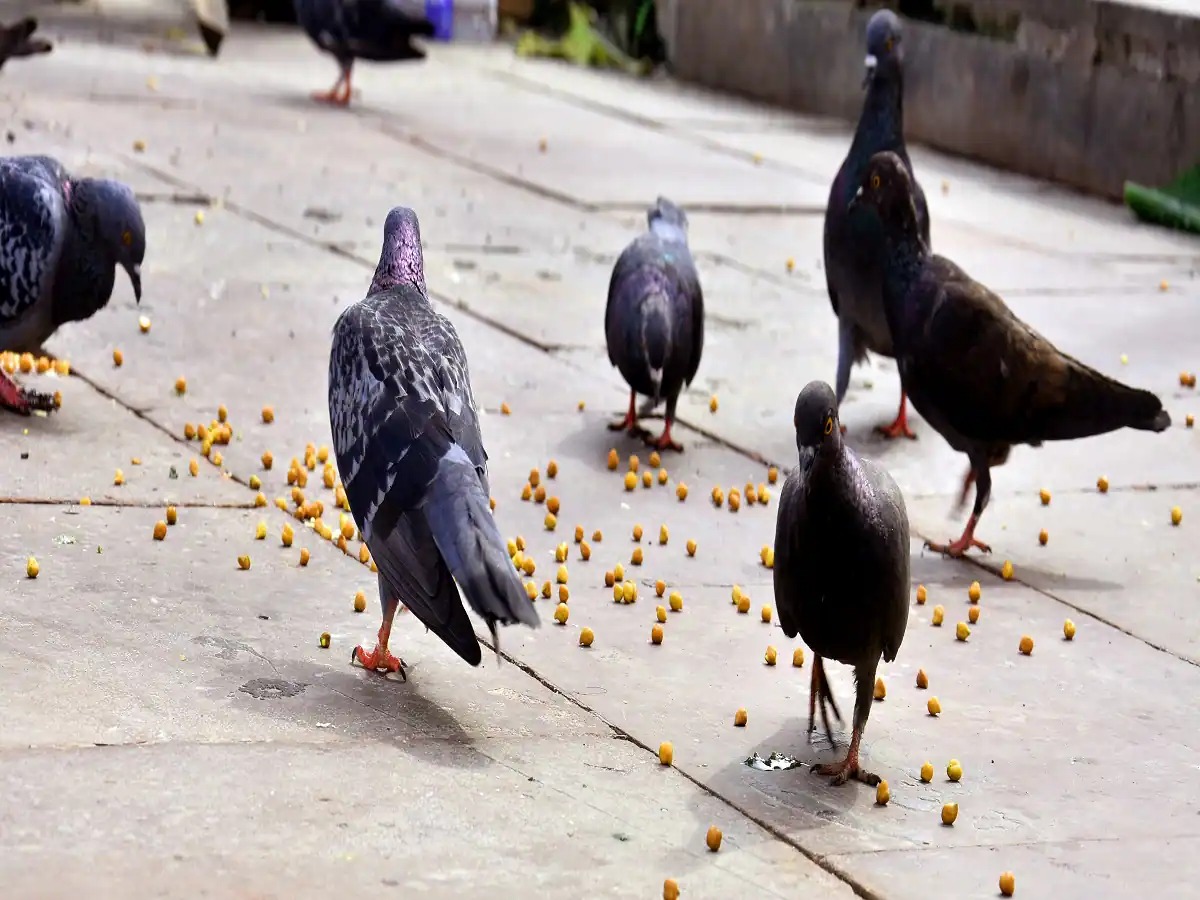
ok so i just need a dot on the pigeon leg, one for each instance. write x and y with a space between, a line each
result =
840 773
663 441
820 690
968 480
629 423
899 428
983 492
336 95
381 657
22 401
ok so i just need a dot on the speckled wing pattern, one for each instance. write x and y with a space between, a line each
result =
32 228
399 396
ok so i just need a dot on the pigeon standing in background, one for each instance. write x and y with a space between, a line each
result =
377 30
411 457
982 377
654 321
853 243
18 40
61 240
841 564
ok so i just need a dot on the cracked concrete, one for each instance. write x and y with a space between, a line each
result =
172 726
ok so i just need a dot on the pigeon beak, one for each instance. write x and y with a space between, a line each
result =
135 279
854 201
871 62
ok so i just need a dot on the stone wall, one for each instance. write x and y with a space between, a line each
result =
1085 92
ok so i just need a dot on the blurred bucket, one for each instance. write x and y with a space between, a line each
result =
462 20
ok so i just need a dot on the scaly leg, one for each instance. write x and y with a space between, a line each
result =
899 428
820 691
839 773
21 400
982 477
339 94
381 657
629 423
663 441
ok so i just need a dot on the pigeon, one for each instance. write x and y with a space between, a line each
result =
982 378
841 564
377 30
654 320
18 40
61 240
409 450
853 244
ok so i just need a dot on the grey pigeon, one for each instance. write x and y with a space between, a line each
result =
654 320
18 40
841 564
411 457
853 243
61 240
376 30
982 377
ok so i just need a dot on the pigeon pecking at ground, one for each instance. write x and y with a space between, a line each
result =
18 40
654 320
853 244
982 377
61 240
376 30
411 457
841 564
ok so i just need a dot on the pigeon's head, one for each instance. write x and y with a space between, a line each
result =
666 213
401 260
816 421
887 188
884 53
119 226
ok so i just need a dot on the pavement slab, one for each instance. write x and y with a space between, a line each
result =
172 726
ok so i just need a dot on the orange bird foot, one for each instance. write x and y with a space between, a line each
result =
959 548
379 659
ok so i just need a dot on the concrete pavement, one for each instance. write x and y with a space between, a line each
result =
171 726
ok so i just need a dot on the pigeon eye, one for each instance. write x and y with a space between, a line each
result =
829 424
874 182
127 238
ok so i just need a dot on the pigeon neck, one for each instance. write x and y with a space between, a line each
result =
401 264
905 255
668 231
86 273
881 125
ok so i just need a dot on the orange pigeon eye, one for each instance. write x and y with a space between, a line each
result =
874 182
829 425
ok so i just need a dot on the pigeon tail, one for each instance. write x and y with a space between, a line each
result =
460 520
1099 404
656 335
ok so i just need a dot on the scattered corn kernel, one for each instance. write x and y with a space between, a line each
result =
660 613
768 557
144 323
172 515
636 557
1026 645
666 753
539 494
691 547
922 594
927 772
735 501
670 889
798 657
194 468
660 587
160 530
360 601
585 551
119 478
771 655
1176 515
922 679
586 636
675 600
949 813
287 535
561 575
954 770
324 640
561 614
630 481
531 590
739 718
647 479
656 633
961 631
974 592
629 592
597 536
712 403
85 501
551 521
1045 496
938 613
764 496
546 590
267 460
181 385
560 552
528 566
718 496
563 593
32 568
772 475
713 838
1069 630
766 614
1006 571
243 562
882 793
663 476
1008 882
880 689
526 493
1102 484
613 459
681 491
973 614
118 358
1189 420
304 556
663 534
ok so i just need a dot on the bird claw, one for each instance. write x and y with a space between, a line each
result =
379 659
899 428
663 442
840 773
957 549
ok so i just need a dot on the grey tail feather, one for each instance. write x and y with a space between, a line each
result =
465 532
